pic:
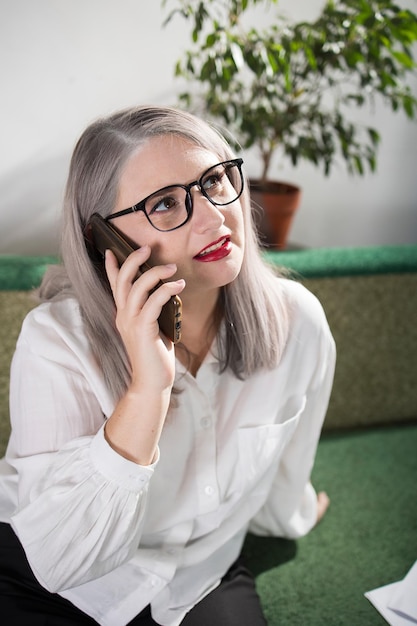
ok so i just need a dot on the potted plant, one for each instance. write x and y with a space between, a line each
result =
290 87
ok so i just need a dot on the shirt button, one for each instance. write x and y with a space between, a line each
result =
205 422
209 490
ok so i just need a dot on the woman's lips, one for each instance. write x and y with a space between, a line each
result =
215 251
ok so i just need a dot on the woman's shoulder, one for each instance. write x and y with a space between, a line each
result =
52 322
64 313
303 306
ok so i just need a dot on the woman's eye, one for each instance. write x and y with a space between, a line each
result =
161 205
212 181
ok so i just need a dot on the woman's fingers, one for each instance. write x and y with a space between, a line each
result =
130 286
112 268
153 288
121 279
140 298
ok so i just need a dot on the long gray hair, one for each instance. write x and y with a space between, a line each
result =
254 310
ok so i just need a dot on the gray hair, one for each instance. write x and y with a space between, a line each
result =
253 307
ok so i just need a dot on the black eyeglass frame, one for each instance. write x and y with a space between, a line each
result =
140 206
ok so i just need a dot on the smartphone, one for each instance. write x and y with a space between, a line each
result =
104 237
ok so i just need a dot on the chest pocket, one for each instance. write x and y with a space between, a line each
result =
261 447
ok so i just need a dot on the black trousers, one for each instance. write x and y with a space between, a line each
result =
24 601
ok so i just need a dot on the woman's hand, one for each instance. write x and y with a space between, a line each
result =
135 426
150 352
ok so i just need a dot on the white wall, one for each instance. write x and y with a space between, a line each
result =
65 62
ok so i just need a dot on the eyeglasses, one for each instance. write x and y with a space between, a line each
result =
171 207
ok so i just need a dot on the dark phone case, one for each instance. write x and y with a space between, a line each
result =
105 237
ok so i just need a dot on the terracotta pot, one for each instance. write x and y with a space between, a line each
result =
278 202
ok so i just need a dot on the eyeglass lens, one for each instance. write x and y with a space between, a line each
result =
169 208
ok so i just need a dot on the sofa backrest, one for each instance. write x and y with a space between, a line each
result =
370 299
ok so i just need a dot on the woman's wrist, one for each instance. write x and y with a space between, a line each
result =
134 428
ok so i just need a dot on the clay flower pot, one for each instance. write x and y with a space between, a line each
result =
275 204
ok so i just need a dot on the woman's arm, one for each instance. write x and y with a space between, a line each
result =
82 491
135 426
80 503
293 507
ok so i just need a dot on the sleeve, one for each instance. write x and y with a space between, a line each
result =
291 507
80 503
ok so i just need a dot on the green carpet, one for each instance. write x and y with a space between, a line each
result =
367 539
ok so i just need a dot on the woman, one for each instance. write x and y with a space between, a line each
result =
136 467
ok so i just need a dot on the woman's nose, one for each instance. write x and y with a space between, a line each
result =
206 216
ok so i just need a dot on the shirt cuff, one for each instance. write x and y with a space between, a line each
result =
306 516
118 469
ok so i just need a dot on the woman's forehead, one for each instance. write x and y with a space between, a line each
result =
166 154
161 161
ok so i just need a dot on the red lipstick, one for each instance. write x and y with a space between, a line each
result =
215 251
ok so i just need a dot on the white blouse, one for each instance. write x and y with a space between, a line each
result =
113 536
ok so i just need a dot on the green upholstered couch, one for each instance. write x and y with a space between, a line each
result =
367 456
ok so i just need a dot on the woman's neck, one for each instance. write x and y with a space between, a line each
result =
200 322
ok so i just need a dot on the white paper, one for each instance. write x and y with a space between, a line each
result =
404 598
397 602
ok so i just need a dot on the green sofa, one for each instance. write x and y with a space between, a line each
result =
367 456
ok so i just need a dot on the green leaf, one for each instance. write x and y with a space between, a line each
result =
311 57
358 165
374 136
408 104
211 39
404 59
237 55
372 163
272 61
